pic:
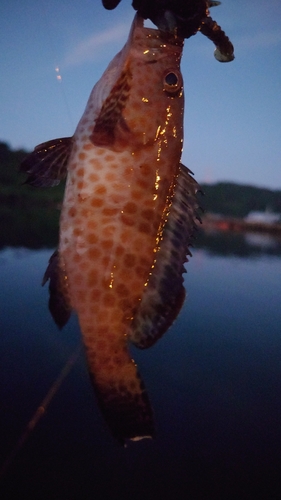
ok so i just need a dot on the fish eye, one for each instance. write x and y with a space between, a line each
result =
172 82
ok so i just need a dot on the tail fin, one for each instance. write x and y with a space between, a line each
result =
128 414
122 397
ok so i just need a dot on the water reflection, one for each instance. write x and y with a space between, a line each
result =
214 379
242 244
263 241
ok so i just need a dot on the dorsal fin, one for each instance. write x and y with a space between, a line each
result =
164 294
47 164
59 303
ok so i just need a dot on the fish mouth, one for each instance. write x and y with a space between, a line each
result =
152 37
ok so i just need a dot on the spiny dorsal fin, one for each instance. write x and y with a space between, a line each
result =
46 166
59 304
164 294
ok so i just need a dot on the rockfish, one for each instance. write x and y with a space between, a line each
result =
127 219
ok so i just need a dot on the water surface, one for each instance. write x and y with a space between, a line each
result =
214 381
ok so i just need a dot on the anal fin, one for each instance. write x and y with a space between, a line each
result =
59 304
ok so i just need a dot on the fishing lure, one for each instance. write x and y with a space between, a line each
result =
185 18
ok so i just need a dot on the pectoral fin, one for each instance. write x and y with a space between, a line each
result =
46 166
164 294
59 304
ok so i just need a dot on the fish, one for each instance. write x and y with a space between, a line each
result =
127 220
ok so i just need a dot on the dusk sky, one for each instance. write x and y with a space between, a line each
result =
232 126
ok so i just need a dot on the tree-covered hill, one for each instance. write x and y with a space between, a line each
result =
30 216
237 200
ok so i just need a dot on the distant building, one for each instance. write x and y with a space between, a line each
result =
266 217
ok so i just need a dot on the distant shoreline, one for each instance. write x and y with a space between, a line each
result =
30 216
221 223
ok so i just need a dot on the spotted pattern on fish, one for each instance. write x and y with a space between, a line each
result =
164 294
110 115
122 177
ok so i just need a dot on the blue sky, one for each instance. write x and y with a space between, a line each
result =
232 111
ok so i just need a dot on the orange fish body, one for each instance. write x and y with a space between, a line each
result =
127 203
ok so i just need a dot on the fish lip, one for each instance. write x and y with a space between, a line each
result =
152 37
138 21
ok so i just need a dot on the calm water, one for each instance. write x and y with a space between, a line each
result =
214 381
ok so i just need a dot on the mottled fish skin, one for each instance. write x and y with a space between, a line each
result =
164 294
127 219
125 155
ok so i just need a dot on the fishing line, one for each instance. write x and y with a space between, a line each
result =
42 408
59 78
40 411
63 93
